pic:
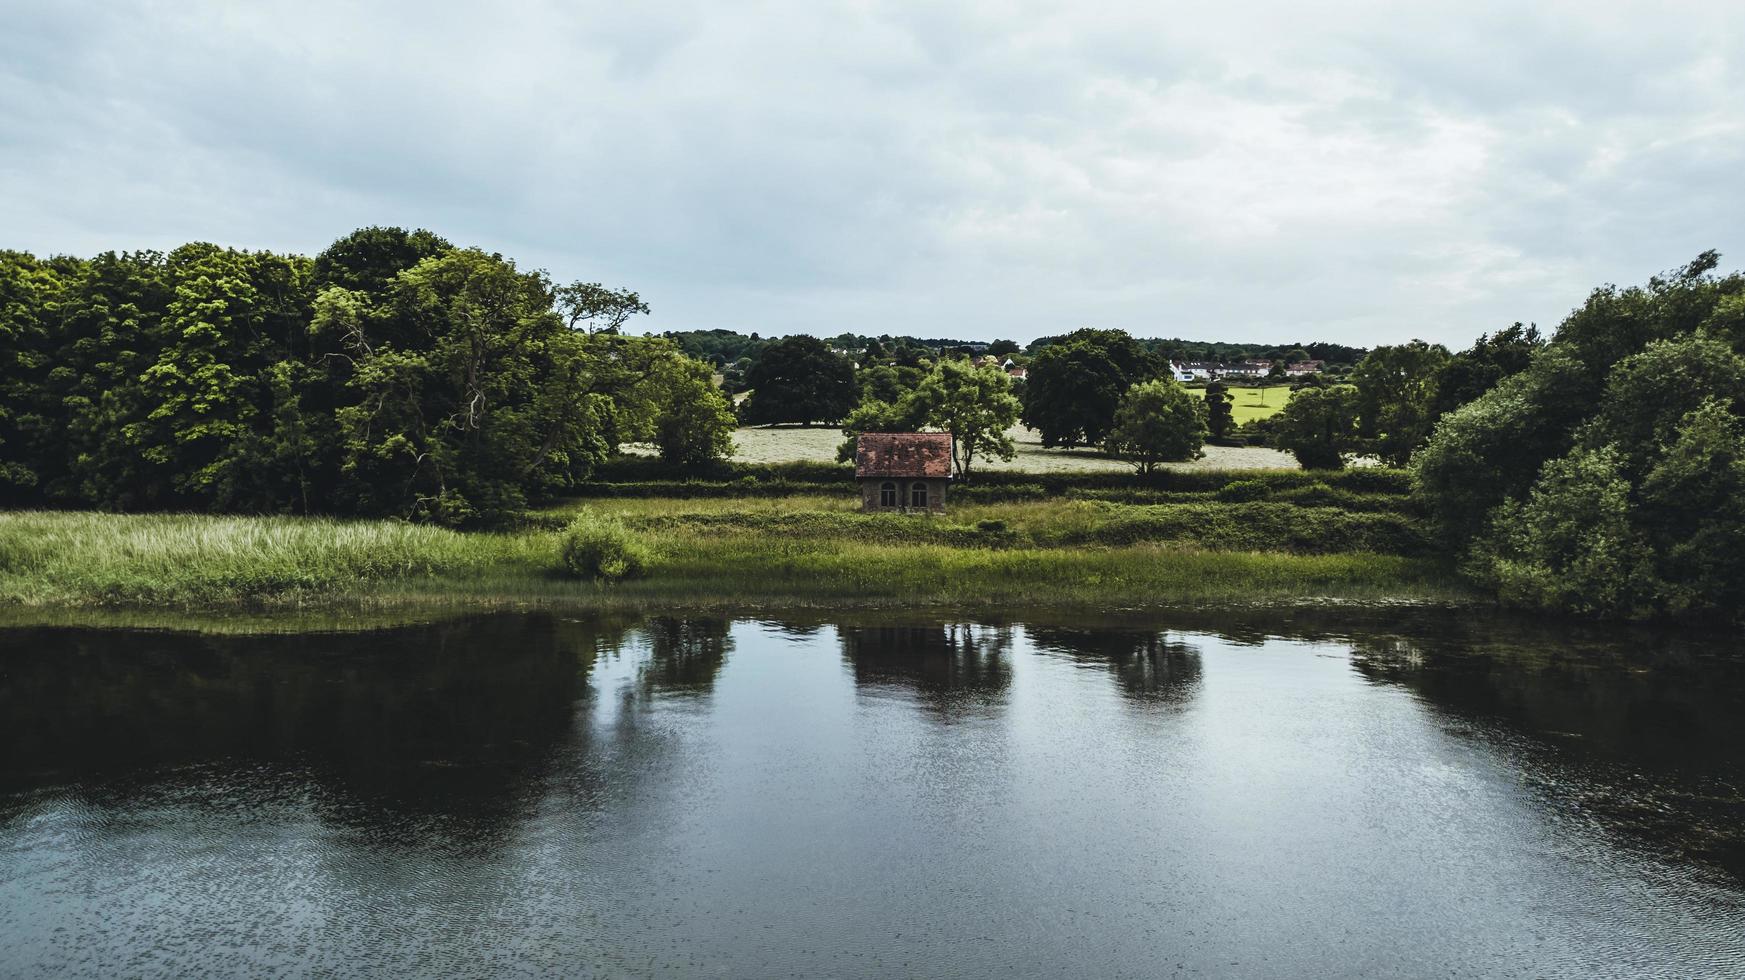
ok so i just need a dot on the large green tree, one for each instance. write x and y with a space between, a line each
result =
975 405
1609 476
800 379
1484 365
1075 383
1396 393
1319 427
392 374
1157 422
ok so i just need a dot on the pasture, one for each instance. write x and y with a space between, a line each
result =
1254 403
796 444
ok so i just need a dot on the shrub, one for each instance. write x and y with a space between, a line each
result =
596 547
1316 495
1242 491
695 427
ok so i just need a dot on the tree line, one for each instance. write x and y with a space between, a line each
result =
735 355
1105 388
392 374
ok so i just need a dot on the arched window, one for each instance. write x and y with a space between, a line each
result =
888 494
918 495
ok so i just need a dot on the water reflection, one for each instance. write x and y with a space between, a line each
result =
949 666
685 656
681 796
456 719
1146 664
1654 725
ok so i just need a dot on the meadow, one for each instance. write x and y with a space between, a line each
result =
1254 402
768 536
817 444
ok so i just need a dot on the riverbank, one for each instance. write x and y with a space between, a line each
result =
1012 542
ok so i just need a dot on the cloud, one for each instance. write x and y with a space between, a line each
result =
1349 171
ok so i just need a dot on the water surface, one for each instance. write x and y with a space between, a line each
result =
1344 794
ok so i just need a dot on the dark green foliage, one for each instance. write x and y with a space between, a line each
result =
886 383
1491 449
1075 384
1220 418
1606 478
368 259
1319 427
904 415
1156 422
1396 394
695 425
1243 491
974 404
1484 365
393 375
799 379
597 547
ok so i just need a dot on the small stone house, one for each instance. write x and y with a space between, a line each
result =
903 471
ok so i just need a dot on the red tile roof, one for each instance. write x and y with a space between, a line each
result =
903 454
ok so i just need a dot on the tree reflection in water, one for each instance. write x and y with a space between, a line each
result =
1651 721
685 656
429 732
950 667
1148 667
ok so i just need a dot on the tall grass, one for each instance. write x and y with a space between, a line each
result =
720 554
852 572
60 558
1245 526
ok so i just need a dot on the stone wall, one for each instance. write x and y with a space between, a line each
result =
869 495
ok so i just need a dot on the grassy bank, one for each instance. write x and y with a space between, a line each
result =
1193 539
50 560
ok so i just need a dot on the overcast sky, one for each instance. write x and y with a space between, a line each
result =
1259 172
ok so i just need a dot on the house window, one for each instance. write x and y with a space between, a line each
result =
918 495
888 495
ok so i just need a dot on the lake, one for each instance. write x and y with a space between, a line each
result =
1408 794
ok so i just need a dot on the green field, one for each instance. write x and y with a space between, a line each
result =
1254 403
797 444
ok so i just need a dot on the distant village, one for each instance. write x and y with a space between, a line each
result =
1193 370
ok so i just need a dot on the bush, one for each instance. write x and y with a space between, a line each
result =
1242 491
1317 495
595 547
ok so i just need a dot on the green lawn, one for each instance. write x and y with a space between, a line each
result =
1254 403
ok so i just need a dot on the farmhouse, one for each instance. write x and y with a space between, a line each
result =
903 471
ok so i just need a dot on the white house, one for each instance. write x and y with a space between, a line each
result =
1247 369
